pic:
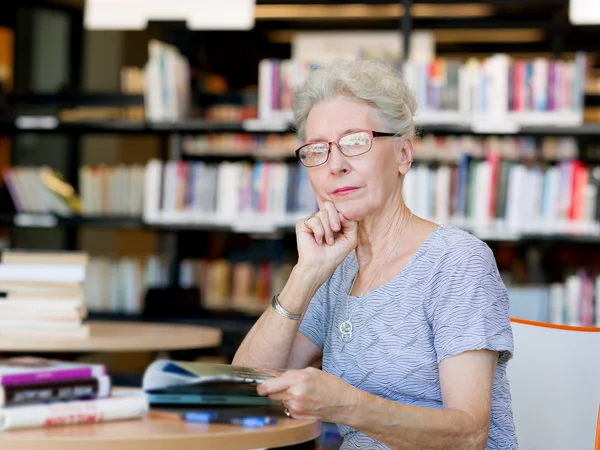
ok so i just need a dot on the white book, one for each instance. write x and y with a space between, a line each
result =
557 303
152 190
573 300
54 306
122 405
590 194
442 194
515 191
409 189
58 273
483 193
265 88
424 199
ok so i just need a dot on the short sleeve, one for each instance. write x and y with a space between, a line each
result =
314 323
472 311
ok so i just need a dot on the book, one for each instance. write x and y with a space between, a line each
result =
121 405
54 391
23 256
179 382
22 370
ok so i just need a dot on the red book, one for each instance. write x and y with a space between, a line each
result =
580 180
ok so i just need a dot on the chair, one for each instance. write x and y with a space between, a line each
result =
598 431
555 386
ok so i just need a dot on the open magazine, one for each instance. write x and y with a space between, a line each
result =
193 383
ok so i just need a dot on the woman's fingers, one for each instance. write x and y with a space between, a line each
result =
316 226
323 216
324 224
332 216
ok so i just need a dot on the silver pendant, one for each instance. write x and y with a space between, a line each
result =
346 328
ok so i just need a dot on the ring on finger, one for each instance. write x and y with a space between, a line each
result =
308 218
286 411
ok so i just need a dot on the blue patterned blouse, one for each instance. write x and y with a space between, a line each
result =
447 300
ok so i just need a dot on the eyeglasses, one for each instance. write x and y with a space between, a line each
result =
352 144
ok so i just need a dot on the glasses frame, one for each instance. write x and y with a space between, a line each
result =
372 135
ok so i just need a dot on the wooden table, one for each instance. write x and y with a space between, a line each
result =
161 434
122 337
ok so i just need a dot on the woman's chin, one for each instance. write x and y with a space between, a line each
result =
352 213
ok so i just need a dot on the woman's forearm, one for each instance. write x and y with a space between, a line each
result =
402 426
269 342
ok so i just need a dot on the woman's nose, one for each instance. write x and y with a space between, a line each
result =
338 162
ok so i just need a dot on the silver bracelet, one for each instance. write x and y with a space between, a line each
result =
281 310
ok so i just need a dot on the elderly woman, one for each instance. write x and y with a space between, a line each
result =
409 318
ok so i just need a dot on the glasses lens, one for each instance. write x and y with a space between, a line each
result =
355 143
314 154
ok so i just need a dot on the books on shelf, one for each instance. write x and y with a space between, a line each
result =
250 197
118 285
166 83
112 190
230 113
490 191
104 191
37 392
40 190
235 286
200 383
42 294
272 146
494 94
573 302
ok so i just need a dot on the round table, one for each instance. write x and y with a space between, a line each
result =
161 434
121 337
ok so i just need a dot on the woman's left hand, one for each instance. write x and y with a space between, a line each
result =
312 394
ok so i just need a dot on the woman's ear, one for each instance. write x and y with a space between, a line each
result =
404 151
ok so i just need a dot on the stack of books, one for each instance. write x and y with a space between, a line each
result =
36 392
42 294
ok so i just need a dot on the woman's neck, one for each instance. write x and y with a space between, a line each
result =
379 232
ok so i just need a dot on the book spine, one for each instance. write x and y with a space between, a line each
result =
52 375
75 412
26 394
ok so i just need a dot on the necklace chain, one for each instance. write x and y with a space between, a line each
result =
347 326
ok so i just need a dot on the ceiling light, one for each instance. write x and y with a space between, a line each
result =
198 14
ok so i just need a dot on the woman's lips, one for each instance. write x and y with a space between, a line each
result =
346 190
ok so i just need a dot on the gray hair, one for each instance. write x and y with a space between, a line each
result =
374 81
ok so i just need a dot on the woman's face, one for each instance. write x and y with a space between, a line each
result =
357 185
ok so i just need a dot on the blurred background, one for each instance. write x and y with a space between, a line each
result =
156 137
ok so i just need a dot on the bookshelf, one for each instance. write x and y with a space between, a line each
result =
191 140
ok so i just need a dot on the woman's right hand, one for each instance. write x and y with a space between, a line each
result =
325 239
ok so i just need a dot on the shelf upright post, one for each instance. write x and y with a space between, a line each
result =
172 237
558 37
406 28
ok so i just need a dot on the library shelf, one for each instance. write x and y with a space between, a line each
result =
51 124
24 220
262 227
